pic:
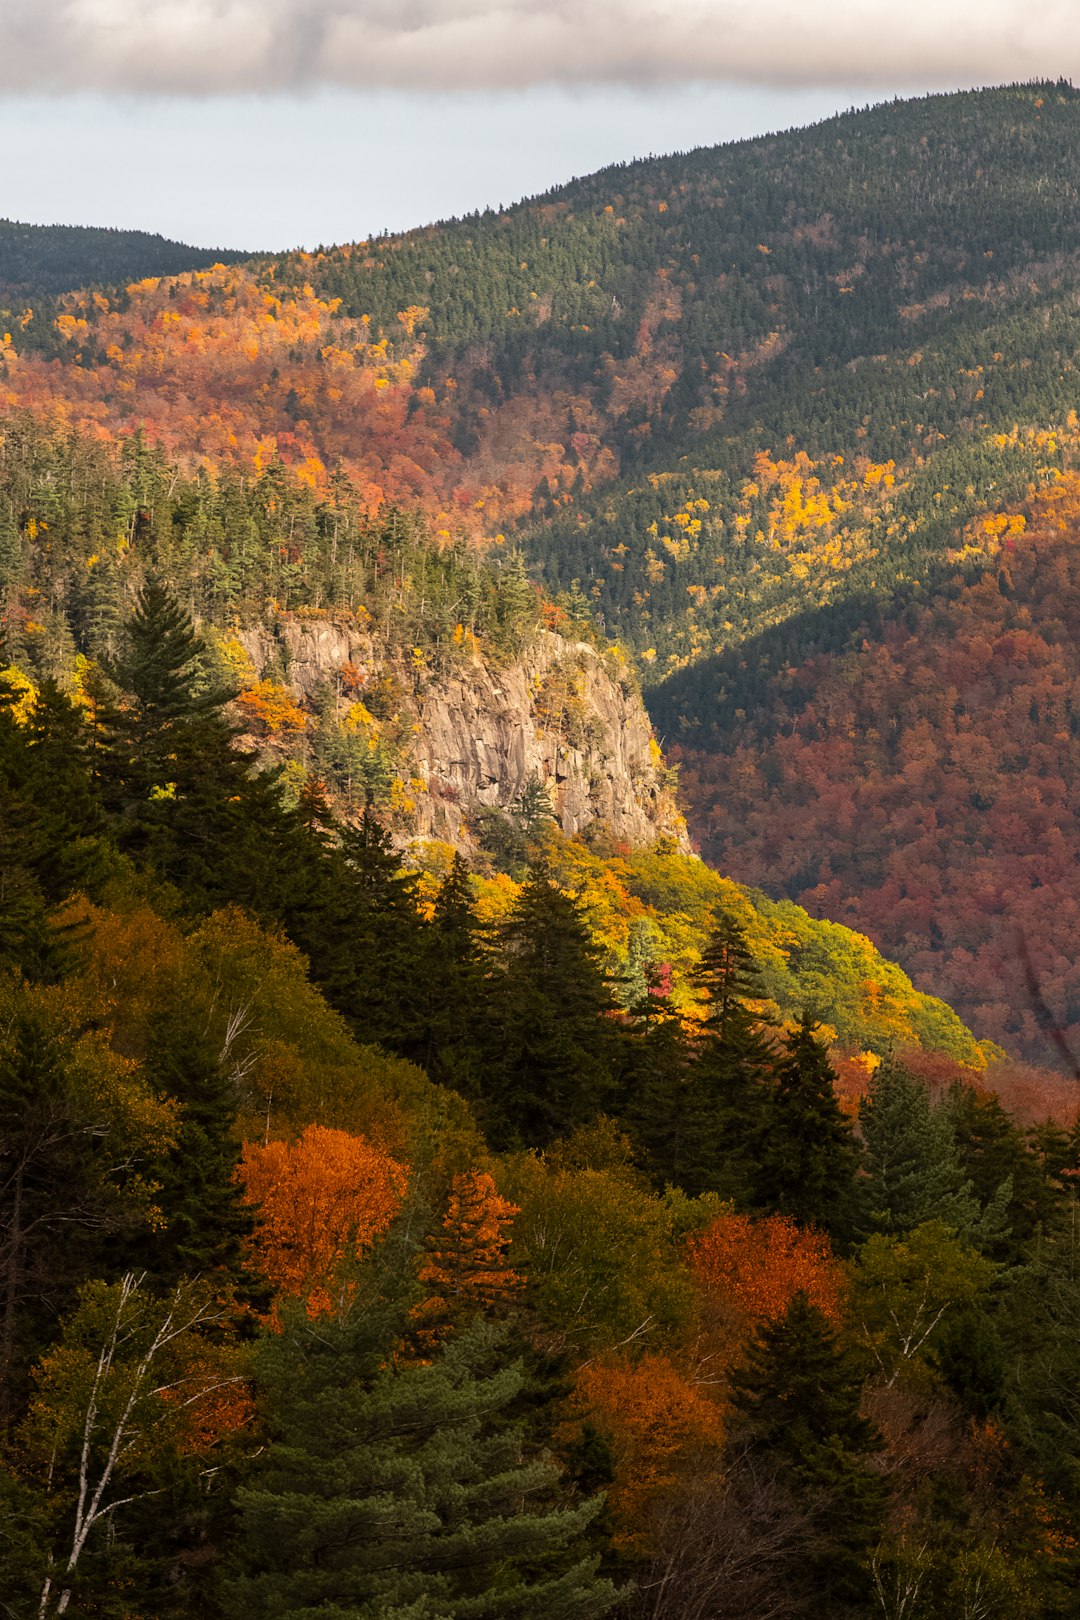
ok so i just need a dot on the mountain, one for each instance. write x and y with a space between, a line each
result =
42 260
744 407
426 1186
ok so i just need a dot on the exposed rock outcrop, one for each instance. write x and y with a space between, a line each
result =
477 734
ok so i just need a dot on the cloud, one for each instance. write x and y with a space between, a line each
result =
207 47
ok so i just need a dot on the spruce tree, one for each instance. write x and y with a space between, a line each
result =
732 1068
206 1221
550 1042
32 852
805 1160
454 984
799 1398
184 799
913 1171
655 1083
378 937
59 778
170 775
393 1491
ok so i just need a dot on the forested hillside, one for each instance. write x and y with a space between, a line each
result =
381 1240
570 1229
49 259
922 784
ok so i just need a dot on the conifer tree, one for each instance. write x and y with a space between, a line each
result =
170 775
732 1068
465 1271
805 1159
393 1491
183 798
59 778
29 855
912 1166
656 1081
454 983
379 938
206 1222
550 1044
799 1398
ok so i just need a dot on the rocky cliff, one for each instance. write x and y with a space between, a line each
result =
471 733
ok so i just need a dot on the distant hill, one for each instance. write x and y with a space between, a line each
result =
750 406
60 258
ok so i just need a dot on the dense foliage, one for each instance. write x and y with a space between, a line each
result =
60 258
369 1248
579 1232
749 404
922 784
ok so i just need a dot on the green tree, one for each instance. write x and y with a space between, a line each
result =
549 1041
732 1070
906 1294
76 1128
390 1491
912 1166
805 1163
117 1410
799 1397
454 983
378 940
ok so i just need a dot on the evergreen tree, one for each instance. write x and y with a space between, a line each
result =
732 1068
992 1152
912 1166
30 854
454 983
805 1163
378 939
160 673
728 977
655 1083
550 1043
799 1398
184 799
59 777
170 774
206 1221
390 1492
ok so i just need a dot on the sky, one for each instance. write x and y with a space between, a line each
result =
263 124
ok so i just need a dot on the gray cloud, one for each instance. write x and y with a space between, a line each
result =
208 47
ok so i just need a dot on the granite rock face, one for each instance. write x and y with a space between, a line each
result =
563 715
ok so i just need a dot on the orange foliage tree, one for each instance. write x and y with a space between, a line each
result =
318 1200
657 1422
750 1269
465 1270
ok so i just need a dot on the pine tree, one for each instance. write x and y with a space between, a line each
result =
170 775
60 780
912 1167
655 1082
183 798
799 1399
805 1161
28 856
390 1492
379 936
206 1221
454 984
550 1043
732 1068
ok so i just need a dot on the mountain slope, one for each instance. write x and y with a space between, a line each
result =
923 786
750 405
41 260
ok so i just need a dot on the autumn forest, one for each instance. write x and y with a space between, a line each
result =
539 881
